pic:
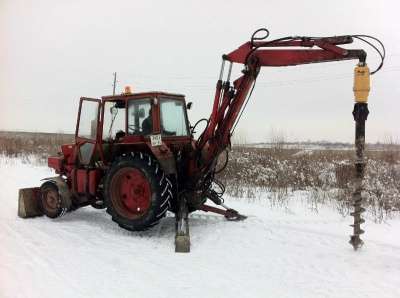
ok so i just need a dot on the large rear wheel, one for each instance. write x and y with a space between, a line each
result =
137 192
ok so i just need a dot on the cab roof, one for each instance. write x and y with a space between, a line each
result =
126 96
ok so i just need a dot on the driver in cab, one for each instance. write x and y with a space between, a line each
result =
147 124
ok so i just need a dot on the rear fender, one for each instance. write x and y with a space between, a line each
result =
165 157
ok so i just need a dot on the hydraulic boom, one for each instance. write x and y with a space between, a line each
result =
231 98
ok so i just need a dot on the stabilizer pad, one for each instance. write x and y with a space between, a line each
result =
182 243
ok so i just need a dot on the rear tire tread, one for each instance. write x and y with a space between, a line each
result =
160 187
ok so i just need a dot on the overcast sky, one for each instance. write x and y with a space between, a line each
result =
53 52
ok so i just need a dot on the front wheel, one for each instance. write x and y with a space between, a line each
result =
51 203
137 192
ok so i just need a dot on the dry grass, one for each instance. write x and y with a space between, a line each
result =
324 174
22 143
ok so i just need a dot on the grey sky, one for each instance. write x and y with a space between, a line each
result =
53 52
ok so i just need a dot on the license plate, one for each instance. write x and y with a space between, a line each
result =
155 140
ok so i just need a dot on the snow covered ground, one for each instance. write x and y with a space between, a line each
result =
274 253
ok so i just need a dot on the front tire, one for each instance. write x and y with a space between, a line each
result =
51 203
137 191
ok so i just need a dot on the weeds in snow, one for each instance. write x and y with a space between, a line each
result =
326 175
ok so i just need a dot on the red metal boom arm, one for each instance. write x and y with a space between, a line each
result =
229 99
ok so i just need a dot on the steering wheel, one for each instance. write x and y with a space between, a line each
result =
119 134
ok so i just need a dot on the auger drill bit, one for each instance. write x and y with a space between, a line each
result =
358 210
360 114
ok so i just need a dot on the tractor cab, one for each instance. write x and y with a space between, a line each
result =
138 116
144 114
141 118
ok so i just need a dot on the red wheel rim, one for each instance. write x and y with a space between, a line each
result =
130 193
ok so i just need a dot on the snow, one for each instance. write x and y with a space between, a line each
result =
276 252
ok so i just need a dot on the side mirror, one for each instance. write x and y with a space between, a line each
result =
189 105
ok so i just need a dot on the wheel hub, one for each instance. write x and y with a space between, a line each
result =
51 200
131 192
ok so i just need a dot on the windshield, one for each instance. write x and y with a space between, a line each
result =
173 117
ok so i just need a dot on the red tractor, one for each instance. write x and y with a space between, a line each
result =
135 154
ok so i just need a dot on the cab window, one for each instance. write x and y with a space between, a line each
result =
173 118
140 120
114 119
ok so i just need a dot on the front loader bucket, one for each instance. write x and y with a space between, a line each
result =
28 202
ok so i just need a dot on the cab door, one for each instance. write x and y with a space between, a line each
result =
87 129
85 176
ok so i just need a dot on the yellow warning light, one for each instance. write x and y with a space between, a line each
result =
128 90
